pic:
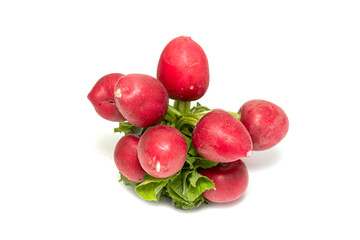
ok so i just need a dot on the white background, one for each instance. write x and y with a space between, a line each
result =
57 175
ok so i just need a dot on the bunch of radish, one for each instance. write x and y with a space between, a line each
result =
191 154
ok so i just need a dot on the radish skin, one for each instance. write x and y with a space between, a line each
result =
266 123
231 181
220 137
141 99
162 151
183 69
101 97
126 158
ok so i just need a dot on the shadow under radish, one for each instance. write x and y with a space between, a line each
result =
105 144
262 160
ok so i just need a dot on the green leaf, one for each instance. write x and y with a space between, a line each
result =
176 198
186 205
128 128
183 205
188 142
176 185
186 188
185 183
198 184
190 161
149 190
127 182
200 200
201 162
192 151
152 188
175 192
194 177
154 179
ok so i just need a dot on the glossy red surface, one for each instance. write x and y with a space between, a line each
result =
126 158
141 99
101 97
183 69
221 137
266 122
162 151
231 181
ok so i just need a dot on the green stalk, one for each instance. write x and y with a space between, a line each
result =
185 130
187 107
199 109
202 113
173 112
169 118
188 119
182 106
192 123
176 103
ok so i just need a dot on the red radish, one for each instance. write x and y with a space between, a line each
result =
126 158
102 97
141 99
221 137
266 122
162 151
183 69
230 179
